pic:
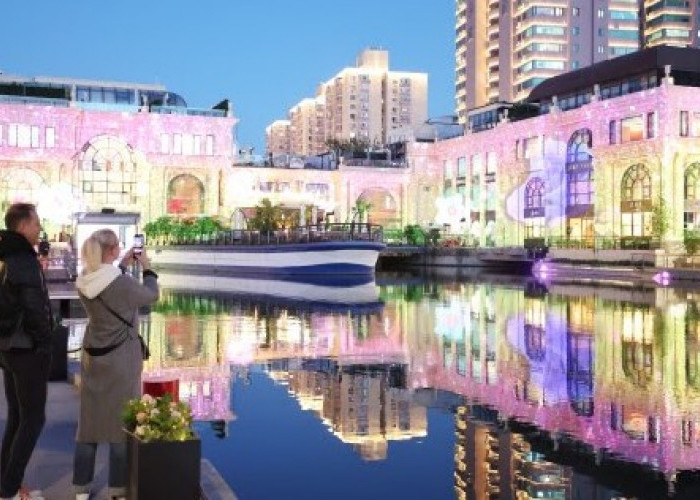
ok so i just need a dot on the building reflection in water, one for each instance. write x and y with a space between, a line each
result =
616 370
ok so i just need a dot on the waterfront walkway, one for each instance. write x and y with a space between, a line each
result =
51 466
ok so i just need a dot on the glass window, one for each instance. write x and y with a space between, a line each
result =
187 144
177 144
23 136
684 124
636 184
50 137
35 130
491 162
651 125
447 169
123 97
612 131
461 167
12 132
165 143
534 193
109 96
197 147
579 147
631 129
531 147
209 145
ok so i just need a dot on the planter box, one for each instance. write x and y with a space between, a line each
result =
163 469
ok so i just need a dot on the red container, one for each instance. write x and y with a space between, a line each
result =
160 387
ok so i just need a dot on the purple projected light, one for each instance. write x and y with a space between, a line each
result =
546 163
663 278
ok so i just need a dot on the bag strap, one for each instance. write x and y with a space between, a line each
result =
114 313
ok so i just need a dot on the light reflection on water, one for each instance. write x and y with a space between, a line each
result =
427 389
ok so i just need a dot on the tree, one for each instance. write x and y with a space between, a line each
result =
659 219
267 217
360 210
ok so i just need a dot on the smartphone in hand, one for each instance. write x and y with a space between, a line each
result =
139 241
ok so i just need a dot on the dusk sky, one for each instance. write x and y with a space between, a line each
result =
263 55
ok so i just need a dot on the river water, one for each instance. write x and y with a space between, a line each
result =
420 387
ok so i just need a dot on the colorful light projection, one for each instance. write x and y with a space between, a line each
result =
541 193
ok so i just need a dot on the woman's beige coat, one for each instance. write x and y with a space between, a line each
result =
107 382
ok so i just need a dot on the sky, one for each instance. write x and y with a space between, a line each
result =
263 55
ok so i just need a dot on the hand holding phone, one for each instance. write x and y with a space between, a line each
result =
138 244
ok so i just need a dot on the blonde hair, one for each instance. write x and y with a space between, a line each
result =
95 247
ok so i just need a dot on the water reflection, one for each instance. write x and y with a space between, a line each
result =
568 391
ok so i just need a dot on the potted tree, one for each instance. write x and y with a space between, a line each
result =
163 453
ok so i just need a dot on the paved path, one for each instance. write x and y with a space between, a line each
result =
51 466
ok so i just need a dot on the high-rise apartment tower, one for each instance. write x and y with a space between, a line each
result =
504 48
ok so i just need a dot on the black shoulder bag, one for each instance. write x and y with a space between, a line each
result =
101 351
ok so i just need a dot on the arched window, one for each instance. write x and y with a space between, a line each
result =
691 216
107 172
638 344
636 184
535 334
534 210
185 196
636 204
579 186
21 185
579 147
534 195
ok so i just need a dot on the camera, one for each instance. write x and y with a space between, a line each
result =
138 243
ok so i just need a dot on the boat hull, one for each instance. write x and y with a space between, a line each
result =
342 257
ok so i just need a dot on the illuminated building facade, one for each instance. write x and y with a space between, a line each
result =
671 23
504 49
366 101
82 145
611 144
75 145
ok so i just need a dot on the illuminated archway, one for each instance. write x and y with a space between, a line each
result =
107 172
21 185
691 215
185 196
636 204
579 187
383 208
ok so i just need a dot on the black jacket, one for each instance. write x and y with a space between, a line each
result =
23 293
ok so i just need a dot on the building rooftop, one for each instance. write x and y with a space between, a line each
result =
684 62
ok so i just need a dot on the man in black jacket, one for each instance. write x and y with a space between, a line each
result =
25 344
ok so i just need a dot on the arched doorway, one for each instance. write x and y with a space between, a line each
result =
691 190
636 207
534 212
383 208
579 187
107 173
185 196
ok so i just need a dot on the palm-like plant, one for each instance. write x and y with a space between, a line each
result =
267 217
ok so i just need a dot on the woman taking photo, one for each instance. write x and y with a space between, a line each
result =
112 357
